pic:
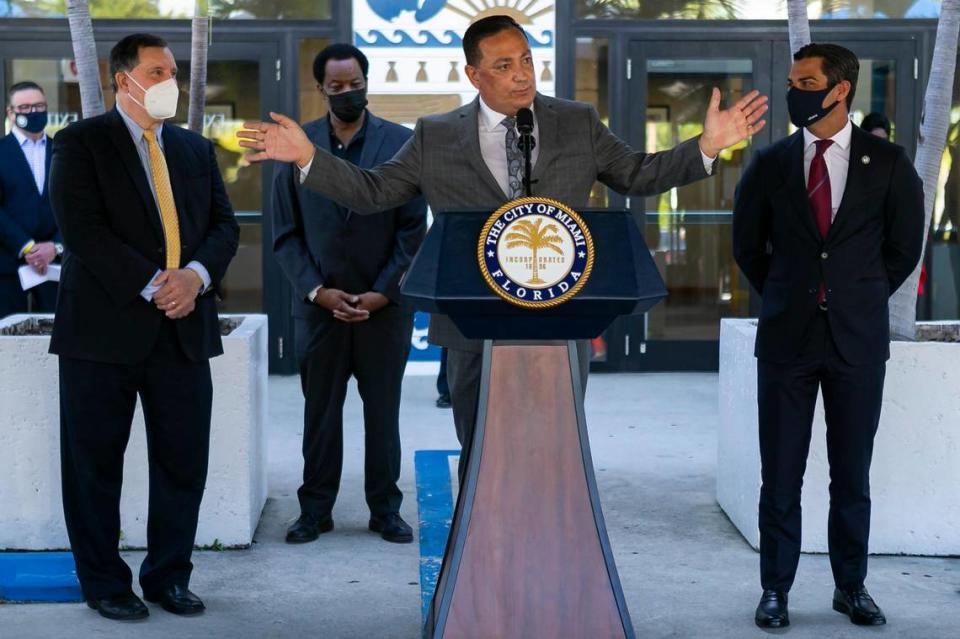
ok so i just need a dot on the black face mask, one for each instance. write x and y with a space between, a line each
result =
806 107
348 106
32 122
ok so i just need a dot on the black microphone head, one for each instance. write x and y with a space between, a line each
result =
525 121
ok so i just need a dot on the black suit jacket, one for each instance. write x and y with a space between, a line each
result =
25 213
114 240
317 242
873 244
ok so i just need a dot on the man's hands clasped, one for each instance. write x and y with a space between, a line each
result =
347 307
178 292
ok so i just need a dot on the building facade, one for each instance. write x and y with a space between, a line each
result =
647 65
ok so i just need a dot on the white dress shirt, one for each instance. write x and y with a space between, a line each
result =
136 132
36 154
837 157
493 144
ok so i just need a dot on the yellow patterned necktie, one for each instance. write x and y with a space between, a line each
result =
168 208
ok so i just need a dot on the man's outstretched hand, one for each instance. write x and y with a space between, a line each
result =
725 128
282 140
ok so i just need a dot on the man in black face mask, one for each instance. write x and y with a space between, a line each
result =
28 232
828 223
345 271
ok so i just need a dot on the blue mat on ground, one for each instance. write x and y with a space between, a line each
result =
38 577
435 505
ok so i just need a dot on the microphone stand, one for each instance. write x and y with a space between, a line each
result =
526 144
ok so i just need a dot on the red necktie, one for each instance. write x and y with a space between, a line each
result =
821 199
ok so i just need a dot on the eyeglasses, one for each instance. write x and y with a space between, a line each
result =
29 108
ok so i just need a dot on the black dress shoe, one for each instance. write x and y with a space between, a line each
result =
859 606
443 401
176 599
126 607
772 610
308 527
392 528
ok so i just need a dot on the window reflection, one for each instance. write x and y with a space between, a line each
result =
755 9
237 9
688 229
943 285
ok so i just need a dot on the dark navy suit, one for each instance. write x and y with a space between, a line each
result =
114 346
840 348
25 215
319 242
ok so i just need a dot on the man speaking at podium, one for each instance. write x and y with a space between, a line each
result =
468 159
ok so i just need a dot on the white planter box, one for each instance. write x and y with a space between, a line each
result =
30 498
916 460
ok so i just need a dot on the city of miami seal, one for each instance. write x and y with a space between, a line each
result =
535 252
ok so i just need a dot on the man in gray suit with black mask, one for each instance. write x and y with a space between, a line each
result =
460 160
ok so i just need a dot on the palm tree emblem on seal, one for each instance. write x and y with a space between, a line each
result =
536 236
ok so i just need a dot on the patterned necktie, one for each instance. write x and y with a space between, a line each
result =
168 208
514 159
821 199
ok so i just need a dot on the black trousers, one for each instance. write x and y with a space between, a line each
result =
463 376
787 396
13 299
97 402
375 352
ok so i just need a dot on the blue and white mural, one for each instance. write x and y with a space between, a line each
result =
415 46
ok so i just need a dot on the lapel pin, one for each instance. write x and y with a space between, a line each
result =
865 159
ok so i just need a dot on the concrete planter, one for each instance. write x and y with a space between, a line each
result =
916 461
30 497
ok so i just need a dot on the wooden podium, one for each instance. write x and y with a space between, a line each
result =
528 554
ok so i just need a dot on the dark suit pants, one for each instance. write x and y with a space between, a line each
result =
13 299
97 402
787 395
463 376
375 352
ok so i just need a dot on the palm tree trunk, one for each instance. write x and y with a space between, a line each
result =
199 43
85 55
934 124
797 24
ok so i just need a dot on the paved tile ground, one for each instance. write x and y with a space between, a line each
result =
686 571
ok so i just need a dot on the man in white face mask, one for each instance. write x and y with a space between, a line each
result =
149 233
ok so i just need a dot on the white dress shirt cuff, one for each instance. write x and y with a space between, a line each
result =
200 270
150 289
312 295
708 162
305 169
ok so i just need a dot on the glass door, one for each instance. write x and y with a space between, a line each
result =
688 229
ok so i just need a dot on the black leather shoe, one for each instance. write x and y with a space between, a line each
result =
772 610
859 606
127 607
443 401
308 527
392 528
176 599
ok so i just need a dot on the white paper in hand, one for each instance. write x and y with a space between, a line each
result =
30 278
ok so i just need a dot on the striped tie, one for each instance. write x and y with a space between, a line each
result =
168 209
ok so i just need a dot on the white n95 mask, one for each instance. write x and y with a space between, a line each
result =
160 100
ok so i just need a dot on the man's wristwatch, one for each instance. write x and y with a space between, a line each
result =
59 247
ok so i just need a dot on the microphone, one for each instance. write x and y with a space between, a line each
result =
526 143
525 121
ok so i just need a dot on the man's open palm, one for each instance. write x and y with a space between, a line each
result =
730 126
282 140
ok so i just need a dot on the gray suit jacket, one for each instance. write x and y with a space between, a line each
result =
443 162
